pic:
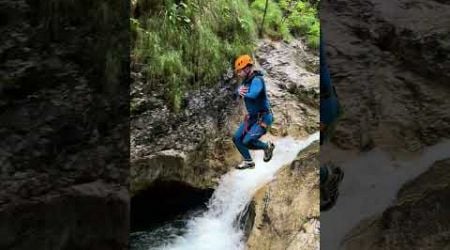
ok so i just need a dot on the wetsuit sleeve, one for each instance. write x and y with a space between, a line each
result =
255 88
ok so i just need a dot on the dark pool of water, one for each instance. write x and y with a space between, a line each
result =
159 235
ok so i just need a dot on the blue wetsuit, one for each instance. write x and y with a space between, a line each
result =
258 107
329 104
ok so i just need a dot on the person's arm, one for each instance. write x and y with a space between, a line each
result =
255 88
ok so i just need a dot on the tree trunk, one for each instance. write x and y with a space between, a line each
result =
264 17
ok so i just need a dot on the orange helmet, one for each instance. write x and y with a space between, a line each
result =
242 62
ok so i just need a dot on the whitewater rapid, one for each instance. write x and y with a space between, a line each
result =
216 228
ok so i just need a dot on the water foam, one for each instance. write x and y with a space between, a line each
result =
217 228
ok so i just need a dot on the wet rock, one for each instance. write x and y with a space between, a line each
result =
388 67
293 88
287 210
168 164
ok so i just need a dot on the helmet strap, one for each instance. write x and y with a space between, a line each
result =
248 71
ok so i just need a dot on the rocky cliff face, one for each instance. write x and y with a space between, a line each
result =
63 123
389 63
192 146
287 209
293 85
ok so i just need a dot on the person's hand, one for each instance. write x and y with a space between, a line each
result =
243 90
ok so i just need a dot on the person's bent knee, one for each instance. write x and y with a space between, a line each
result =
247 142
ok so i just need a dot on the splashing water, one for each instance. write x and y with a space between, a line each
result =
216 228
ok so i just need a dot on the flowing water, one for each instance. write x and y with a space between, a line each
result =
218 227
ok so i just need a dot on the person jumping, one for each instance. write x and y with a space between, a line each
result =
330 175
259 118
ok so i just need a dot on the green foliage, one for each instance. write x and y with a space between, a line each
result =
303 20
313 36
181 45
189 44
170 64
273 22
287 18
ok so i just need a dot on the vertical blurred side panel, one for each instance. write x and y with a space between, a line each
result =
64 115
389 63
